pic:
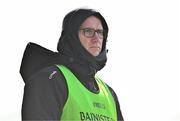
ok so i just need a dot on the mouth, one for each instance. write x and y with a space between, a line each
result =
95 50
95 47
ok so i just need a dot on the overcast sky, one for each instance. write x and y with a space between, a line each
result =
143 57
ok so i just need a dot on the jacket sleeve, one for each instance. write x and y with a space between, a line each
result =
119 114
45 94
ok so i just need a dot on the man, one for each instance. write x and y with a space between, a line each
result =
62 85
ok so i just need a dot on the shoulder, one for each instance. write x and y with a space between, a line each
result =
111 90
47 83
47 79
107 86
46 74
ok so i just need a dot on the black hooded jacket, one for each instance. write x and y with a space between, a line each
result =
46 91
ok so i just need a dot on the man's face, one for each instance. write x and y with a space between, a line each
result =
91 35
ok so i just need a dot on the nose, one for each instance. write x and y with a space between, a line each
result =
96 37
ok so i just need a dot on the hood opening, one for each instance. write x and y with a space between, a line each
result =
69 42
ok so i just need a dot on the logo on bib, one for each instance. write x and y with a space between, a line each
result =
99 105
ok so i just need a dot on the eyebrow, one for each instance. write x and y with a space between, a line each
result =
90 28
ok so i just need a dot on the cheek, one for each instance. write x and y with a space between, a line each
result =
101 42
83 41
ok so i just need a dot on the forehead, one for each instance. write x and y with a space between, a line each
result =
92 22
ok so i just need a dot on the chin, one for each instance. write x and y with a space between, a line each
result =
95 54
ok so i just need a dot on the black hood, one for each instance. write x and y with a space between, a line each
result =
70 51
35 58
69 42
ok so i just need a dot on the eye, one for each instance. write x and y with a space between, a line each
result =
100 32
90 31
